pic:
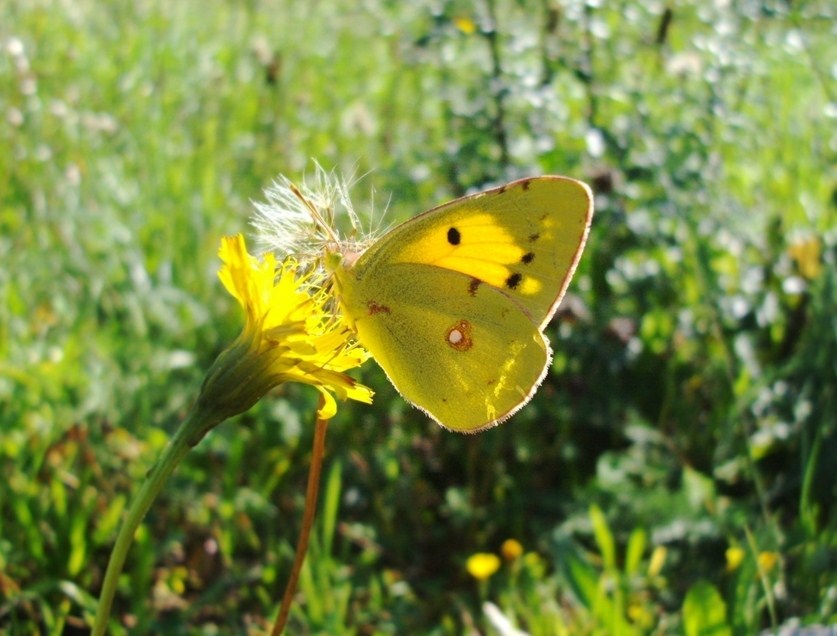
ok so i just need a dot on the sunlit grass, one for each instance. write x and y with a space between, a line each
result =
692 397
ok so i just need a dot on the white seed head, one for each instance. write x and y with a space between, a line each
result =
304 221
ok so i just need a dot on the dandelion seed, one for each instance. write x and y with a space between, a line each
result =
304 222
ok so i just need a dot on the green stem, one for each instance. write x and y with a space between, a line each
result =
197 423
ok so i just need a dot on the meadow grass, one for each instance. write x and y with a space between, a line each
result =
674 473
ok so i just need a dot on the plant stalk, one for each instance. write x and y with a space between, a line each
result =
311 493
197 423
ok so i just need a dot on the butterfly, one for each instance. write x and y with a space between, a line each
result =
452 303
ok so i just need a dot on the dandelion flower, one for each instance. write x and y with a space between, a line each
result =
465 25
735 555
767 561
807 253
482 565
290 334
511 549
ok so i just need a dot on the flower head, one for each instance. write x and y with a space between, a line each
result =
304 221
735 555
807 253
767 561
482 565
290 334
511 549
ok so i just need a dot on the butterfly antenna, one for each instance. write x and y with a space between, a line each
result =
323 224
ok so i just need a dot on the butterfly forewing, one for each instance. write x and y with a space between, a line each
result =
524 238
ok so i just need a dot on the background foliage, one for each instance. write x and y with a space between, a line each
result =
673 475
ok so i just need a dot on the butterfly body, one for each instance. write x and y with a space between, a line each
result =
452 303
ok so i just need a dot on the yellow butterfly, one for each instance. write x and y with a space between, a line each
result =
452 303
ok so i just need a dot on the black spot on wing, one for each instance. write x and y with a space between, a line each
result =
534 237
454 236
527 258
473 286
513 281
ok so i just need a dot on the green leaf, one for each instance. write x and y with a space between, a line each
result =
635 550
582 577
704 611
699 489
604 537
331 505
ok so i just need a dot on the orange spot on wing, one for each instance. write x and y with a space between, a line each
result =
459 336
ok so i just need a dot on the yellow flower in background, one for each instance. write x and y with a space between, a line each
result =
767 561
735 556
658 559
290 334
482 565
465 25
807 253
511 549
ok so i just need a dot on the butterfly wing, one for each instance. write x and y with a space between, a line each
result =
452 303
469 357
524 238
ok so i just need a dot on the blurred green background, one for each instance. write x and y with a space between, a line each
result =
674 474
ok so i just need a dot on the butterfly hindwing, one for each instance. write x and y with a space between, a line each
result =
465 354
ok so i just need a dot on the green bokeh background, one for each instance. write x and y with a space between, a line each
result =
690 411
